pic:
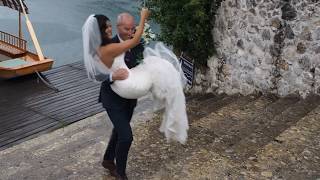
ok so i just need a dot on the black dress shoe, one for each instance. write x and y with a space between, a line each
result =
118 177
108 164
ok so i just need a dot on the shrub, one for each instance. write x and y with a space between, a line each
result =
187 25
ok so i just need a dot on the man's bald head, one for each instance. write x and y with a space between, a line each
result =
125 26
124 17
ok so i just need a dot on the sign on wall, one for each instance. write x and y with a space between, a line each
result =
187 65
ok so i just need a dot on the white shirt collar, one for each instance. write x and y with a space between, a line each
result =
119 38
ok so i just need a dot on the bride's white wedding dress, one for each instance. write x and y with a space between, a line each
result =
160 74
160 77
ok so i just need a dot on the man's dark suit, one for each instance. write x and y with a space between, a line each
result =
120 112
110 99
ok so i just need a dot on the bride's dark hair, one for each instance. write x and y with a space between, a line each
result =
102 22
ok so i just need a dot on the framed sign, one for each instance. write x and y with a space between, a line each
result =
187 66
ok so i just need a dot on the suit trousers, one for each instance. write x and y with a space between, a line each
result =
121 138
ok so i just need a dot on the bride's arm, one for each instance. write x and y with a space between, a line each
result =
110 51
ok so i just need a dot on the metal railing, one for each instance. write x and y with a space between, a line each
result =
13 40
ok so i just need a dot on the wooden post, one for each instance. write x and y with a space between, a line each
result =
32 33
20 31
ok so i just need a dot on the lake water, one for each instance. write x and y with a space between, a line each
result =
58 23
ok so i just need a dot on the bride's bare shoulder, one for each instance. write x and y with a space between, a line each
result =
106 56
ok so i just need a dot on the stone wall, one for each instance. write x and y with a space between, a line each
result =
265 46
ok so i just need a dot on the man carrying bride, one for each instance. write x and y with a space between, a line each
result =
120 110
108 61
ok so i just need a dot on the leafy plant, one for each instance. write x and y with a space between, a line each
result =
187 25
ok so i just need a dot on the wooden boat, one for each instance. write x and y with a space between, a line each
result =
15 59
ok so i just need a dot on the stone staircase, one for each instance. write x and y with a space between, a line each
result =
230 137
234 137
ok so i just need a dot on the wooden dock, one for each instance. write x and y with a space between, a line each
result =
28 108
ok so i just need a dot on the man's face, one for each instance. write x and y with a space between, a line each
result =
126 28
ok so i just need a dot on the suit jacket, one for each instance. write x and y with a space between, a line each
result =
108 97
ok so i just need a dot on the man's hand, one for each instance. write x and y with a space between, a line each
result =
120 74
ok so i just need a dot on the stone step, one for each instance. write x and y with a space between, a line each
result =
150 147
207 138
213 130
201 107
210 162
217 139
80 146
230 126
197 108
265 129
295 153
208 106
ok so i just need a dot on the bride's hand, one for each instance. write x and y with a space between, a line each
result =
120 74
145 13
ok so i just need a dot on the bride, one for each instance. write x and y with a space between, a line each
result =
158 74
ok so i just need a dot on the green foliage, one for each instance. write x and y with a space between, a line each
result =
187 25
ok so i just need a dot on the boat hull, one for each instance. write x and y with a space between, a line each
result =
32 65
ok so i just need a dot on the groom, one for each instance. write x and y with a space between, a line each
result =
120 110
126 29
